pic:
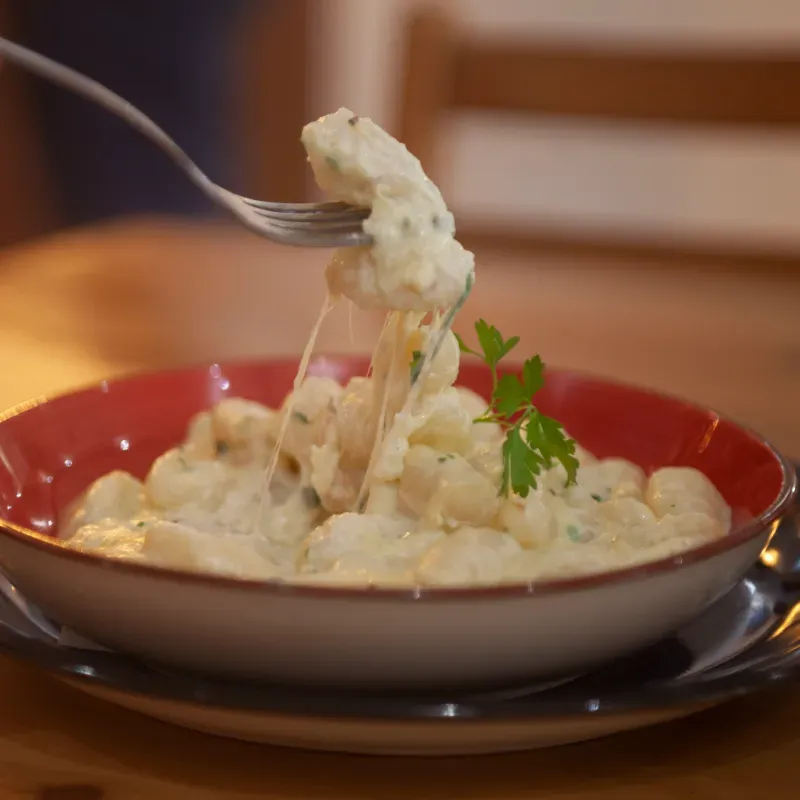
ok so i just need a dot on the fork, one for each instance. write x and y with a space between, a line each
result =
299 224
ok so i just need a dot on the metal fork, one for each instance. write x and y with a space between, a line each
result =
300 224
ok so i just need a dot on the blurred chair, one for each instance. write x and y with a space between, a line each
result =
275 68
448 70
27 196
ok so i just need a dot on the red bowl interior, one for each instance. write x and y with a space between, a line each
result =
51 451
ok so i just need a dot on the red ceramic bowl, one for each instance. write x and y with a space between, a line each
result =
51 450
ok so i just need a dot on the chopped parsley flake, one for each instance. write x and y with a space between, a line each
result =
416 364
300 417
597 498
310 497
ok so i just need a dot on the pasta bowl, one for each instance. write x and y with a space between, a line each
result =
370 638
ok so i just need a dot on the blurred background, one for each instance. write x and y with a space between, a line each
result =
627 171
569 135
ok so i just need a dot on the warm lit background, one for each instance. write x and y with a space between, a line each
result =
739 184
628 172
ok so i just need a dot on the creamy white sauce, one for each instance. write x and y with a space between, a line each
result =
415 262
199 510
381 481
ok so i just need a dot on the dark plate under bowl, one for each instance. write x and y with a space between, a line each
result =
746 642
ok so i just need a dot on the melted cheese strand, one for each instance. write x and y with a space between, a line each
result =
376 349
380 428
440 326
327 306
431 352
350 334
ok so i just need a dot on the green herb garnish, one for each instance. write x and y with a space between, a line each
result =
300 417
445 457
311 497
573 533
416 364
533 440
597 498
332 163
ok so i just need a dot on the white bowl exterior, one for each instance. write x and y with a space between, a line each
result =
367 641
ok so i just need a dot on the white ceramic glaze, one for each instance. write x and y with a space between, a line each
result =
365 638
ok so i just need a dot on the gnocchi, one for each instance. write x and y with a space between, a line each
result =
388 480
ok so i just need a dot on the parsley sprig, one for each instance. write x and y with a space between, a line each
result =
533 440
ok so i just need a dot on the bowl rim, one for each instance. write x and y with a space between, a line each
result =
507 591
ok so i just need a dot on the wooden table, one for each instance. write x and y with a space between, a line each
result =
93 303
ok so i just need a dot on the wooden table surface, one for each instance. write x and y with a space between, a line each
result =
89 304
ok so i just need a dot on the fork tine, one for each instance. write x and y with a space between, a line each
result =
307 211
351 220
323 225
281 208
314 219
308 237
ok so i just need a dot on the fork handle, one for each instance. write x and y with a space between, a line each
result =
82 85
